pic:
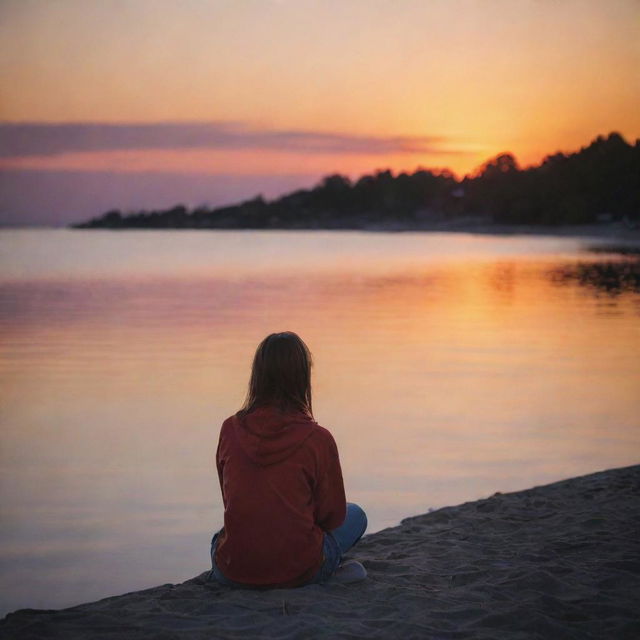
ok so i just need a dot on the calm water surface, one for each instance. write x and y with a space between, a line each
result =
447 366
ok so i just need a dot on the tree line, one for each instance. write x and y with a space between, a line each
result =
600 182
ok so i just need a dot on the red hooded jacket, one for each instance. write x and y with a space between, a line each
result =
282 487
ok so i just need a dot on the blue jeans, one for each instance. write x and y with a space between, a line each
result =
335 546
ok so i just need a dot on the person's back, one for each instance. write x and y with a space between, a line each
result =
286 520
282 488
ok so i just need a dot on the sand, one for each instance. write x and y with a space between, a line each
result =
559 561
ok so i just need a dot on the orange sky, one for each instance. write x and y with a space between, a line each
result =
477 77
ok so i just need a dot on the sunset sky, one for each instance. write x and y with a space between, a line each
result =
145 103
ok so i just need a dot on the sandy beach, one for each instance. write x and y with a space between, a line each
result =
558 561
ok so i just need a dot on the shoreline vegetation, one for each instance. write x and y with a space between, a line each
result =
556 561
597 185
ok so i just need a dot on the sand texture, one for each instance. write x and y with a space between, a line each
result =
559 561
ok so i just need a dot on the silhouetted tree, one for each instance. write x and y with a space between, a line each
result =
599 180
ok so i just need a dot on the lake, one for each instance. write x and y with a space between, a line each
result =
447 366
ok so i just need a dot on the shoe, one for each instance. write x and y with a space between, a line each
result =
350 571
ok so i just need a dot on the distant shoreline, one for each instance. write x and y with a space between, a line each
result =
597 184
480 226
616 231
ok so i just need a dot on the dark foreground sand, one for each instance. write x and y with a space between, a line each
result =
560 561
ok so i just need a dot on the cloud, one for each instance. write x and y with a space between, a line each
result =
20 140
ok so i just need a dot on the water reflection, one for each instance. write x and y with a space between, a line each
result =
612 277
443 376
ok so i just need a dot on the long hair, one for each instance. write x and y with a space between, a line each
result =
280 375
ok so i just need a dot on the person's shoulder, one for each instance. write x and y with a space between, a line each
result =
229 423
323 435
322 432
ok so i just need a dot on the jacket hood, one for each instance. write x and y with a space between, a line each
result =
267 435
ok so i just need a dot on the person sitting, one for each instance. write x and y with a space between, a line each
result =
286 519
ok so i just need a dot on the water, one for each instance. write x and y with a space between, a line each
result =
447 366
